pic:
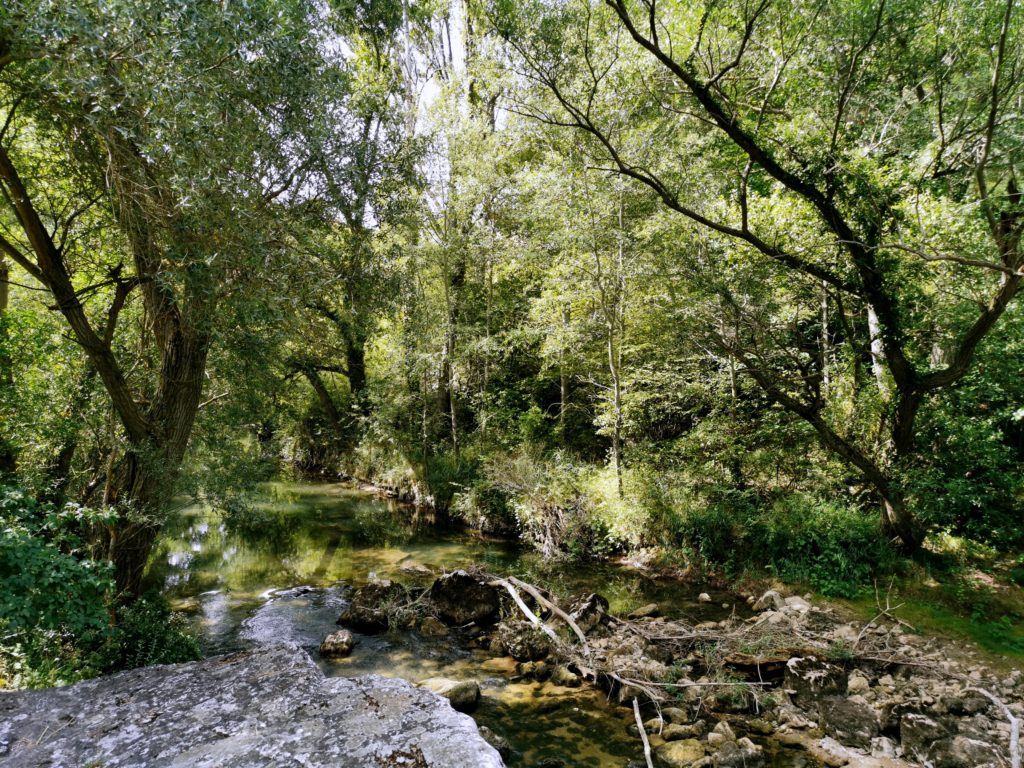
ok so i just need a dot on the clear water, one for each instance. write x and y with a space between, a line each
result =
287 577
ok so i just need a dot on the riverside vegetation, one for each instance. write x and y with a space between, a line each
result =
726 289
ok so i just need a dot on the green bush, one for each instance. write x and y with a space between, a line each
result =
550 502
148 632
485 507
445 475
834 548
56 618
46 583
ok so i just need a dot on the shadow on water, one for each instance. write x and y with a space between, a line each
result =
284 572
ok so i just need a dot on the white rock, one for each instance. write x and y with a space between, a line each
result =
857 684
797 605
770 599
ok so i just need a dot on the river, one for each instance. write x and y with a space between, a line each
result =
283 571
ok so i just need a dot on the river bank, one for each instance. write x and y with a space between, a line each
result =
293 576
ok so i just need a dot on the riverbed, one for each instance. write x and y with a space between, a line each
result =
283 571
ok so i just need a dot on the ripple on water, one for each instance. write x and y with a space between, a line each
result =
297 615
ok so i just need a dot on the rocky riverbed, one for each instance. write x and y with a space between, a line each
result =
780 673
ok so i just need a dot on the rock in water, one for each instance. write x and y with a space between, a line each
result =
337 644
850 721
770 599
463 694
522 641
372 606
587 612
461 598
809 680
678 754
267 707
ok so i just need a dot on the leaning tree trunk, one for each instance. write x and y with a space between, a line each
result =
143 483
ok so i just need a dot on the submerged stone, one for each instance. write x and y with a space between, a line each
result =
678 754
267 707
463 694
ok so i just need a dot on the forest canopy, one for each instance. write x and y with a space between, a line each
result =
731 283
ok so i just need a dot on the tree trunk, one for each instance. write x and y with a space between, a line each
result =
145 480
355 366
898 521
824 352
613 368
563 375
877 353
8 458
327 404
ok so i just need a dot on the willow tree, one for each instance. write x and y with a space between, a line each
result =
866 150
184 128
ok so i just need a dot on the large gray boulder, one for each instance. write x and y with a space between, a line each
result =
267 707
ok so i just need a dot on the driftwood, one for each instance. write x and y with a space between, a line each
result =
530 615
1014 724
643 733
536 595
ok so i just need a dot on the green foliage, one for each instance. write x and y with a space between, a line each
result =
485 507
148 632
835 548
549 498
46 583
445 474
57 622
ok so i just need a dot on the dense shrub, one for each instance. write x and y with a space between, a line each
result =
57 620
47 587
837 549
148 632
445 474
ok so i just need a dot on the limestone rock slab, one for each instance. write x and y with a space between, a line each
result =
266 707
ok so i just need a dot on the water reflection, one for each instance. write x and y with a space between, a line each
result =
285 572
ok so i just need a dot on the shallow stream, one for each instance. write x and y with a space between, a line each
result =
285 574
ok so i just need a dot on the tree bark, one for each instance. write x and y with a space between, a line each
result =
157 434
8 456
877 353
327 404
355 367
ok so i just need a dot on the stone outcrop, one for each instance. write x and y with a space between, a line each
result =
372 606
267 707
460 598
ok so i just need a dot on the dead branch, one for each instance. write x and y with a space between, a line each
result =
536 595
643 733
1014 724
533 618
